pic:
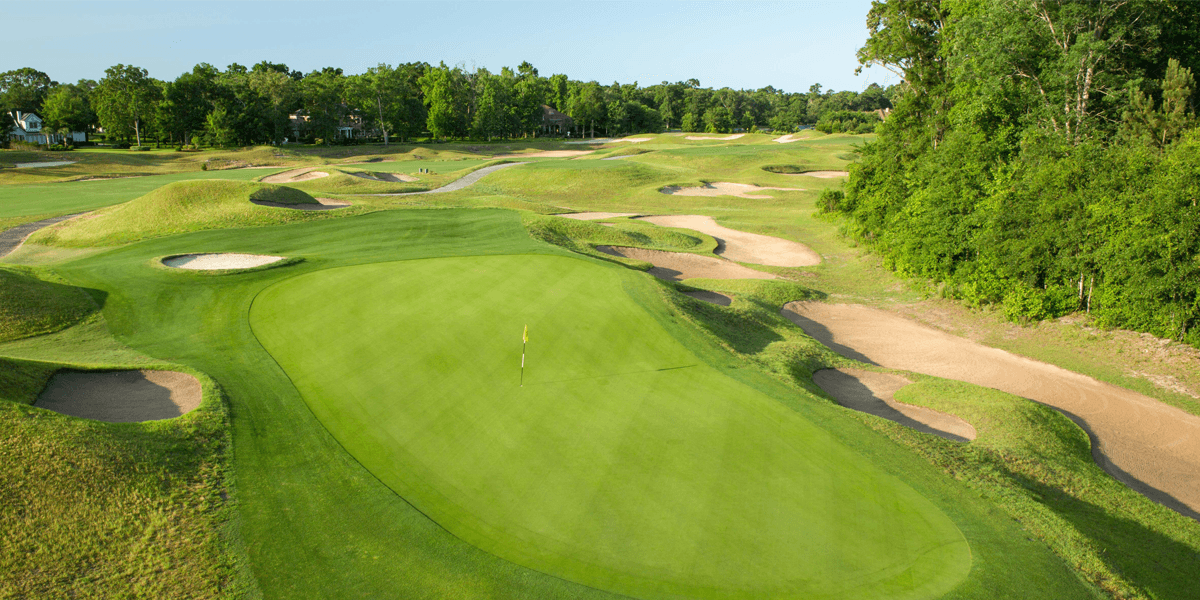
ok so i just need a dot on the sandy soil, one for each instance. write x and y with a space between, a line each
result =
871 392
742 246
611 140
677 266
713 137
388 177
42 165
711 297
295 176
787 139
724 188
322 204
1150 446
822 174
593 216
215 262
548 154
121 396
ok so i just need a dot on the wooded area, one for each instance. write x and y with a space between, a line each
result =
1041 155
243 106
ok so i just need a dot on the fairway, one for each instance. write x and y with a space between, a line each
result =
625 462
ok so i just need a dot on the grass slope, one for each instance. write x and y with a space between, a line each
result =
623 462
32 306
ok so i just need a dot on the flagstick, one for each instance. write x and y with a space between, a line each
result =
523 364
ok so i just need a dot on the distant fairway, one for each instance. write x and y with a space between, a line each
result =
625 462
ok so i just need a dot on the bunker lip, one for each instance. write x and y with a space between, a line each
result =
218 261
821 174
1150 446
710 297
724 188
743 246
121 396
381 176
696 138
322 204
678 266
546 154
594 216
872 393
295 175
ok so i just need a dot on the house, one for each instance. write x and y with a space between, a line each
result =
350 126
554 122
27 127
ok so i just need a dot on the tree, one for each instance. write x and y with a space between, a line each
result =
387 96
278 92
24 89
123 100
323 95
445 94
718 120
67 109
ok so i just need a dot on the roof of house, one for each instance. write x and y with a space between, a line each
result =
548 112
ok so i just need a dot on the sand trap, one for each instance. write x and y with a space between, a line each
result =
215 262
871 392
711 297
593 216
322 204
742 246
711 137
787 139
724 188
624 156
548 154
677 266
295 176
42 165
1150 446
121 396
380 176
821 174
611 140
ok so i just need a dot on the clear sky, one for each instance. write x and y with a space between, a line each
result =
790 45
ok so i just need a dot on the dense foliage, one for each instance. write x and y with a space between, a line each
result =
270 103
1041 155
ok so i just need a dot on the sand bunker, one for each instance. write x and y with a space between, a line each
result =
871 392
611 140
322 204
121 396
822 174
710 297
624 156
724 188
548 154
1150 446
787 139
677 266
295 176
593 216
387 177
217 262
742 246
44 164
712 137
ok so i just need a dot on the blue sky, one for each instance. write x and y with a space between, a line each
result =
790 45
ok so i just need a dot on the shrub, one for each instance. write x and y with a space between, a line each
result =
61 148
830 201
785 169
140 148
120 145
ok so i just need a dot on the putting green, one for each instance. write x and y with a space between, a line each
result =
624 463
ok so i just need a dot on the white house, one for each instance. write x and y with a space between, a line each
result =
27 127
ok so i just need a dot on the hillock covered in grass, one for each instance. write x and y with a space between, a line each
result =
32 306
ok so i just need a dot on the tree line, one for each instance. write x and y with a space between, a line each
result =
1041 156
245 106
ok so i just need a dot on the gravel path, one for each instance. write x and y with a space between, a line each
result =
11 239
457 184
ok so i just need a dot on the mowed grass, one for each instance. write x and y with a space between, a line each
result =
623 462
32 306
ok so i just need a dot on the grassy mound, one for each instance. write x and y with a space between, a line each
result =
785 169
178 208
584 236
31 306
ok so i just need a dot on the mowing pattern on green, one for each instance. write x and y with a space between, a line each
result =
624 463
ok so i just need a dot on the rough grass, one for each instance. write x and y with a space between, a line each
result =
584 236
281 194
181 207
32 306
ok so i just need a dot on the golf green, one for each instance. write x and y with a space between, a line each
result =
625 462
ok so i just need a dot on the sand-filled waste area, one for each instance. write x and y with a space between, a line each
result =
677 266
724 188
295 176
121 396
742 246
219 261
1150 446
872 393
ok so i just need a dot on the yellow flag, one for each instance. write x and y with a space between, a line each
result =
525 336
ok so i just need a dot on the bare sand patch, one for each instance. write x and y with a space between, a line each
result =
724 188
1150 446
121 396
322 204
295 176
742 246
677 266
710 297
381 176
713 137
872 393
216 262
45 164
787 139
610 140
821 174
622 157
593 216
548 154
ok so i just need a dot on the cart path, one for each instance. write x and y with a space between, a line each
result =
11 239
457 184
